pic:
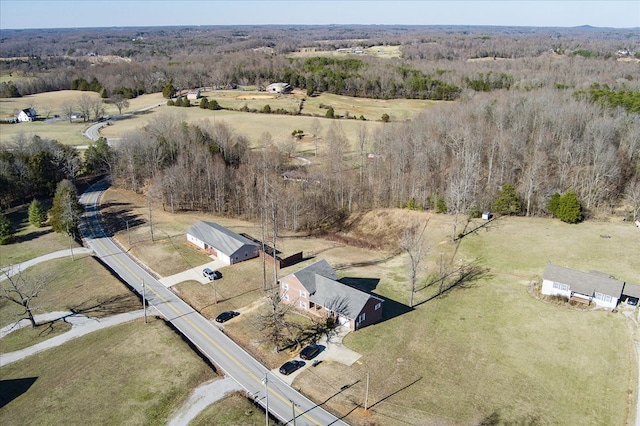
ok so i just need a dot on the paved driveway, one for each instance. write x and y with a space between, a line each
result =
193 274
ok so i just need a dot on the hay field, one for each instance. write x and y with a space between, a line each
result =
377 51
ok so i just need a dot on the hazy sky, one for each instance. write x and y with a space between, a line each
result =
114 13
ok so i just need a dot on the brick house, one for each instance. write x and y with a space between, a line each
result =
316 289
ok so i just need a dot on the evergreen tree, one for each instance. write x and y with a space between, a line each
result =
569 208
553 204
168 90
204 103
385 118
507 201
330 113
6 231
64 215
214 105
37 214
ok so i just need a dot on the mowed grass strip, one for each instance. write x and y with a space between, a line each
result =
133 373
29 336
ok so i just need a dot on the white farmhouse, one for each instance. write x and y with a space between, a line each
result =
28 114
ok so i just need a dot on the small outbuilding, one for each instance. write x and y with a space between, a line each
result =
222 242
28 114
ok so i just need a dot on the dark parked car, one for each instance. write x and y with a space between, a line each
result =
290 366
310 351
226 316
212 275
633 301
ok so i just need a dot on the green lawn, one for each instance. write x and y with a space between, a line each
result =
133 373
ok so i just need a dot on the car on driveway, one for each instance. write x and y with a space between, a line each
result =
291 366
310 351
226 316
632 301
212 275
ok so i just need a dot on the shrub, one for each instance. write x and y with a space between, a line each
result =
385 118
566 207
330 113
507 201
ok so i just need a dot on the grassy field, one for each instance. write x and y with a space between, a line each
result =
378 51
133 373
484 351
51 103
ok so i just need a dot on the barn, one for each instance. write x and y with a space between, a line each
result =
222 242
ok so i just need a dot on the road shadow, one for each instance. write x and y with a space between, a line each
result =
10 389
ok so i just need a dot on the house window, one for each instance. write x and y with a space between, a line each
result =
603 297
361 317
303 293
285 297
562 287
378 306
303 305
285 286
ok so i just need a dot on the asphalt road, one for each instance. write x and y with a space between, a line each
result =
283 401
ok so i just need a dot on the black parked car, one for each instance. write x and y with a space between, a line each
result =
226 316
310 351
632 301
290 366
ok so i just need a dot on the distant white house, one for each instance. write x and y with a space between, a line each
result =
597 287
194 94
28 114
222 243
279 88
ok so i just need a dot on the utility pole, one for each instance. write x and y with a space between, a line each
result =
266 399
128 233
144 302
293 408
366 396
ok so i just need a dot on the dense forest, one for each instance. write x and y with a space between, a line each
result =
543 111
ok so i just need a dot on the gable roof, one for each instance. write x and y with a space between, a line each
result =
30 112
307 275
224 240
583 282
321 281
339 297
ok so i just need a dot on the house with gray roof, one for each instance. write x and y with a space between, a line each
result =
316 289
222 242
594 286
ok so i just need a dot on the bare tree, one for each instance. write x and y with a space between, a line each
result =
84 104
633 197
21 289
316 128
412 243
67 110
120 102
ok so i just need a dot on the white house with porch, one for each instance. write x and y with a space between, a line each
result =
597 287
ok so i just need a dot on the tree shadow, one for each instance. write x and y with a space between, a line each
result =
463 276
342 266
10 389
396 392
113 305
119 219
32 235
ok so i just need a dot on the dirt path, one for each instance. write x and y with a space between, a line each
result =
203 396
